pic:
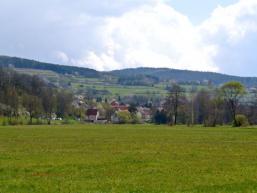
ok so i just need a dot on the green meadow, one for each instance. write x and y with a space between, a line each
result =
127 159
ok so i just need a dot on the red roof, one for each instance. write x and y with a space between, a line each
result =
92 112
114 103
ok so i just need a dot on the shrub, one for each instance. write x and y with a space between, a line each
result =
136 118
124 117
241 121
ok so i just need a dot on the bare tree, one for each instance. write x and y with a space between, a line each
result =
173 102
49 103
33 105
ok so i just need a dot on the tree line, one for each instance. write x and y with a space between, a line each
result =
29 96
21 93
229 104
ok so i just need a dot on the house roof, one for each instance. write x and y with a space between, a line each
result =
92 112
115 103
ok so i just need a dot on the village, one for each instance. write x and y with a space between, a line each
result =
114 112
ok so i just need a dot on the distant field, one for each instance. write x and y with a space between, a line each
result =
129 159
76 83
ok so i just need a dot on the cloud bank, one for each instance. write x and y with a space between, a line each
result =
158 36
118 34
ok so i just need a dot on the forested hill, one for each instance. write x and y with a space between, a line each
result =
136 76
6 61
164 74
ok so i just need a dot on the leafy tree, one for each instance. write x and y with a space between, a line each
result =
232 93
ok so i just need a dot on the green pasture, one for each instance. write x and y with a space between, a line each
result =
127 159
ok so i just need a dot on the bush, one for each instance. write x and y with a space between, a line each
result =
136 118
241 121
124 117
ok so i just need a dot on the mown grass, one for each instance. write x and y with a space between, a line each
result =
127 158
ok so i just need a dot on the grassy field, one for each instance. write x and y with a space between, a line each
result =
127 159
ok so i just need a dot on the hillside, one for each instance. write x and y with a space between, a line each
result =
150 82
152 75
6 61
165 74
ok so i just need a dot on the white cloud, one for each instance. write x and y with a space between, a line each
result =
233 31
114 34
157 35
153 35
62 57
101 62
233 22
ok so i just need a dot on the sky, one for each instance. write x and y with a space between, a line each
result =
213 35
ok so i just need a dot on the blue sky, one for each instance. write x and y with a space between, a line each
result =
198 10
213 35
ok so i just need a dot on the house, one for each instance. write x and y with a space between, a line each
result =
114 103
146 113
79 102
92 115
119 107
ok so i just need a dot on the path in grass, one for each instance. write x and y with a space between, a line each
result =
123 158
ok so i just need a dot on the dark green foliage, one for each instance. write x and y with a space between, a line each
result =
138 80
137 76
160 117
185 76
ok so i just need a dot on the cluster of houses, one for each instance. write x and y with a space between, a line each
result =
93 114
